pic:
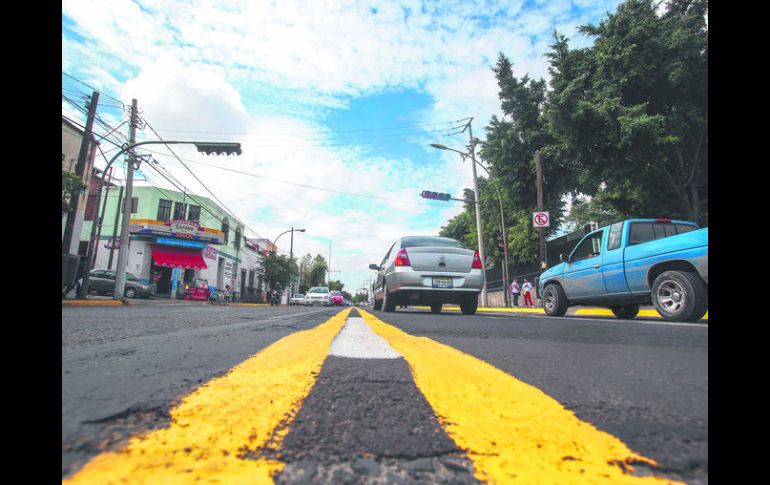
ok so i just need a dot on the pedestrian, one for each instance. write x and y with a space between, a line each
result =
228 295
515 290
526 290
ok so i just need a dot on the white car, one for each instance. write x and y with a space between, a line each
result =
318 295
297 299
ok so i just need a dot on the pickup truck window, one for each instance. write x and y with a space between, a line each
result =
589 248
641 232
613 238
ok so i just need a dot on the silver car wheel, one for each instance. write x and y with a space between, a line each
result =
671 296
549 299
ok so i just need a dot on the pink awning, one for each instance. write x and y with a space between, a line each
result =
174 257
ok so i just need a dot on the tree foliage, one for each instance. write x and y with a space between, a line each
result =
622 132
277 270
70 183
336 285
631 111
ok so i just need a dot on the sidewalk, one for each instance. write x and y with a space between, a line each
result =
103 301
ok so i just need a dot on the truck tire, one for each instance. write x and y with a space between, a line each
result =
388 303
469 305
436 308
680 296
377 305
554 301
625 312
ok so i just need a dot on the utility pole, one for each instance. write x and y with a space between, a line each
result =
540 206
115 227
120 277
478 215
69 228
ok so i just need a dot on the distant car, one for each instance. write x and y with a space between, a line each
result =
318 295
348 302
297 299
103 282
337 298
427 270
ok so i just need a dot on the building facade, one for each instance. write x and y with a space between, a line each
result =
179 240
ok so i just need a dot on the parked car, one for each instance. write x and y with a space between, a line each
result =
633 262
103 282
337 298
297 299
318 295
426 270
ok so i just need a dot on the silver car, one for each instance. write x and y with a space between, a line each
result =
427 270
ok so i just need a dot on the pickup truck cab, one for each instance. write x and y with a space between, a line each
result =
633 262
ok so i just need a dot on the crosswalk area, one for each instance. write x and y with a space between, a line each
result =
357 400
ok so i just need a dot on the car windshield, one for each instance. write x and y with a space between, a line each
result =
318 289
131 277
412 242
336 293
298 295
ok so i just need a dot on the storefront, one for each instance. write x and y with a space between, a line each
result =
170 254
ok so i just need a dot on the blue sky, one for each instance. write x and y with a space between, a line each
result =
340 96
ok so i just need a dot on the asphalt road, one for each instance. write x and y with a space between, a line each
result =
364 421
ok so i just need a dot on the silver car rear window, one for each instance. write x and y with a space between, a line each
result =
420 241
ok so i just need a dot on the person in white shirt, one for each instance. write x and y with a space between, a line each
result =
526 290
515 290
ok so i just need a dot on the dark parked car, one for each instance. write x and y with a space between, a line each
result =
103 282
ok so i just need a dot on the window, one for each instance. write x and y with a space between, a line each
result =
164 210
237 238
589 248
413 242
194 213
251 279
386 255
642 232
226 229
613 237
134 205
180 211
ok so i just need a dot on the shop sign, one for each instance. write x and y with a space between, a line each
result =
210 252
184 227
176 229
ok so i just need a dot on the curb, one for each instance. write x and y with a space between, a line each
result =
82 303
575 311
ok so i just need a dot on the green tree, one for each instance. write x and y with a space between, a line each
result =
318 270
336 285
277 269
70 183
631 111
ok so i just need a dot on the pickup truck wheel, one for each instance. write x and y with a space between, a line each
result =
680 296
625 312
554 301
436 308
469 305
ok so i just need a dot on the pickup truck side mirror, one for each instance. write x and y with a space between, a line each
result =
374 267
564 258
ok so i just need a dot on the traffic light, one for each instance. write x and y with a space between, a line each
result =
427 194
219 148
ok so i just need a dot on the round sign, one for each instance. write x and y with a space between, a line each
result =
541 219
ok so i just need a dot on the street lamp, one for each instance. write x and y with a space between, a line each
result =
120 276
478 212
291 251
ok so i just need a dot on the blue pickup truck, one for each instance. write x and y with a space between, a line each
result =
634 262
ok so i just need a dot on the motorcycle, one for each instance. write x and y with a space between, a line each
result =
275 299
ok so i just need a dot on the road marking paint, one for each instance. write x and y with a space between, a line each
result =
221 420
510 430
357 341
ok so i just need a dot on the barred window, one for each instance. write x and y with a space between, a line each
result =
194 213
164 210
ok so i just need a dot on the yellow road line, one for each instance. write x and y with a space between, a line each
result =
510 430
91 303
223 418
581 311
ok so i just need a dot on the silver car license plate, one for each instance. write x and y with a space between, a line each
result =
442 282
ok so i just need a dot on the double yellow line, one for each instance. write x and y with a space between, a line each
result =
510 430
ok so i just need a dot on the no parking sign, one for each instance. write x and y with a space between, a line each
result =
541 219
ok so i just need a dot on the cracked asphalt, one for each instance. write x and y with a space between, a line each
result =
123 368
